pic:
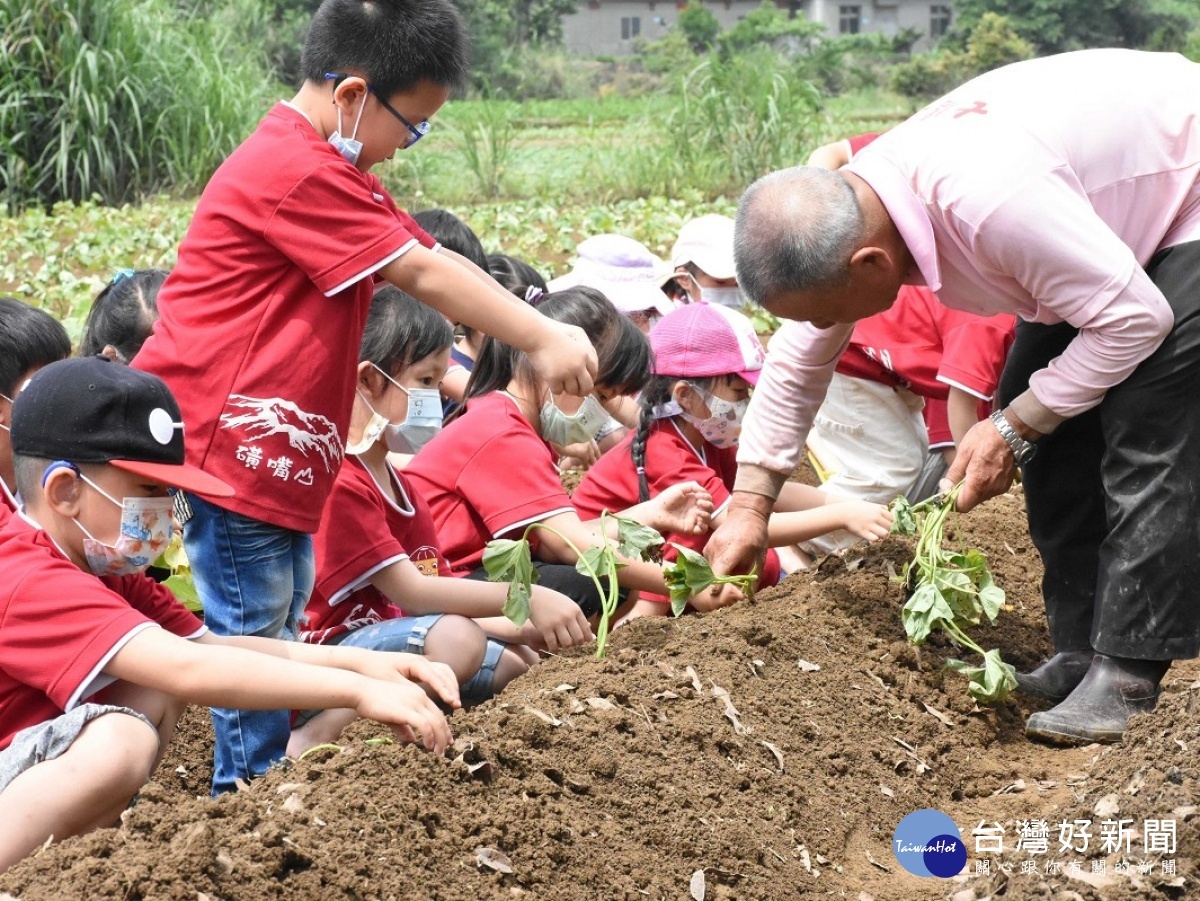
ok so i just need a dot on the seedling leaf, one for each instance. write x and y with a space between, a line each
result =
903 521
508 560
951 591
634 540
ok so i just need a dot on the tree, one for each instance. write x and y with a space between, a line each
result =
1053 26
699 26
500 27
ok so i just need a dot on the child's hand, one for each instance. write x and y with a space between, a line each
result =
558 619
566 362
395 666
866 520
408 710
716 597
584 454
685 509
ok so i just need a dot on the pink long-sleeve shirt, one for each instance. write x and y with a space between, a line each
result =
1040 189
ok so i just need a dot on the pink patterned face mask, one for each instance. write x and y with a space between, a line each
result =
146 526
723 426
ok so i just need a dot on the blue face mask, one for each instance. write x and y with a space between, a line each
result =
349 148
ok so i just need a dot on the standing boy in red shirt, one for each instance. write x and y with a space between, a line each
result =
262 316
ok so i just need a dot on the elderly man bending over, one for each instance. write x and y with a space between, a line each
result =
1064 190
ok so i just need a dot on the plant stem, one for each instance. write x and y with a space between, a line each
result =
606 603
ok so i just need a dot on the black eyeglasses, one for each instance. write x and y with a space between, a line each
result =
417 131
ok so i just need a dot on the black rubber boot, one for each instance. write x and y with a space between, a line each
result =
1057 677
1114 689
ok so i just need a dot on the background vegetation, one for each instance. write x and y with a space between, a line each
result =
113 116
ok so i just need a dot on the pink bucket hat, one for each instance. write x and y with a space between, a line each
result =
702 340
625 270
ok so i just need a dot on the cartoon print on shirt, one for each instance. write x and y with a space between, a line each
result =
425 560
274 416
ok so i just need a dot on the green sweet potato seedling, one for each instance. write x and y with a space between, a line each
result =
690 574
951 592
509 560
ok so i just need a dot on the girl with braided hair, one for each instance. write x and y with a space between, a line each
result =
707 360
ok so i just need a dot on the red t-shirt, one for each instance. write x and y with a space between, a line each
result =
262 316
486 474
59 626
8 503
612 484
858 142
362 531
926 347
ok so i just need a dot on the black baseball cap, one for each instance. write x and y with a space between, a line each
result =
92 410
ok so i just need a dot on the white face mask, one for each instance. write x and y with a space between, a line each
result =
572 428
349 148
723 426
10 403
146 526
724 297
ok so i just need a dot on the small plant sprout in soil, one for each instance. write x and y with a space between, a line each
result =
951 591
690 574
509 560
181 583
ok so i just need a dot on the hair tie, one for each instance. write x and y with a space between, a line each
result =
121 275
533 295
641 470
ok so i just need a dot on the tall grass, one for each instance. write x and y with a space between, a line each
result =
121 98
734 119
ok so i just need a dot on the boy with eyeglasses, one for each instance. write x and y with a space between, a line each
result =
262 316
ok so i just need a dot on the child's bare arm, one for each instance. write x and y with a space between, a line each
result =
383 665
561 354
211 673
863 518
798 496
557 619
684 508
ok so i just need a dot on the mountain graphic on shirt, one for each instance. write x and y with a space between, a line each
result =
267 416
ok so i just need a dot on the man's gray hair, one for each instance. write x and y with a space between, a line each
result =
795 229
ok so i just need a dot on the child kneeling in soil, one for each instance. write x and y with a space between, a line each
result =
96 659
491 473
706 361
377 542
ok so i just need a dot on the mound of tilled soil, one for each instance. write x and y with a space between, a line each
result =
764 751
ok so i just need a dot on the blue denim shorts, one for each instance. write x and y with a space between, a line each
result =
407 634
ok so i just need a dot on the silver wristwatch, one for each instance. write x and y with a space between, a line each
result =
1022 450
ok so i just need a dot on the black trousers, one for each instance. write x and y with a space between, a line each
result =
1113 495
565 579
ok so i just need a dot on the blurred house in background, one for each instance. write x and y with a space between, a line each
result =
610 27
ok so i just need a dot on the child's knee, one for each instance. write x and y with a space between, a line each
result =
459 643
120 750
513 662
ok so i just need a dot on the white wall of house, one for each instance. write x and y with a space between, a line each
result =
610 27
